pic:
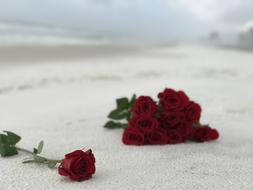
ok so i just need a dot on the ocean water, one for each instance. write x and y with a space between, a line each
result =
18 33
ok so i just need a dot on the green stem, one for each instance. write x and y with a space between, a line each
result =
24 150
30 152
56 161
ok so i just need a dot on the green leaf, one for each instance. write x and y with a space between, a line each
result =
115 125
117 115
121 112
7 143
7 150
132 101
12 138
111 125
3 139
122 103
40 147
51 164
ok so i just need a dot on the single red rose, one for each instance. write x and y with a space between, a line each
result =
193 112
133 136
145 123
171 118
173 100
204 133
158 136
174 137
78 165
144 105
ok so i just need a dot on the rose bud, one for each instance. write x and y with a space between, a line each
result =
145 123
192 112
158 136
78 165
133 136
174 137
173 100
144 105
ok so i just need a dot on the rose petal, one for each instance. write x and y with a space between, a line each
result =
75 177
63 172
68 162
75 167
75 153
184 99
91 156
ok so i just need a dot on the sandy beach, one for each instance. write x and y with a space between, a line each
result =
63 95
34 54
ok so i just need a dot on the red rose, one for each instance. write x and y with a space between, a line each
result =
174 137
145 123
144 105
78 165
171 118
204 133
173 100
158 137
132 136
192 112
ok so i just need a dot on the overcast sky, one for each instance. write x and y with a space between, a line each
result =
139 18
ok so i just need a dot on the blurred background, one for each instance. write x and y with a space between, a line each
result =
212 37
224 23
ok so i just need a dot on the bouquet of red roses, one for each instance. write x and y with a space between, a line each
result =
173 119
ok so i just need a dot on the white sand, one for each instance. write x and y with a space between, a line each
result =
66 103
